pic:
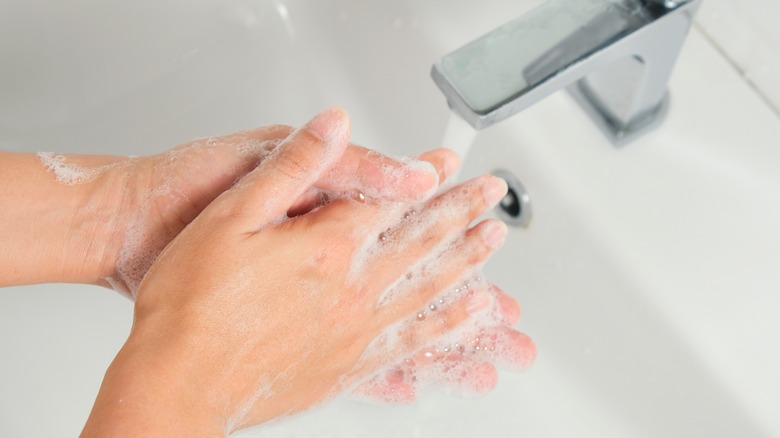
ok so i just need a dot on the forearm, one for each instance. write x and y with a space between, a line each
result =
54 231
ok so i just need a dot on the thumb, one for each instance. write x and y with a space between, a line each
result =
267 193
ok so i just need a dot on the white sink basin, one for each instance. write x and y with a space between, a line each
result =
649 275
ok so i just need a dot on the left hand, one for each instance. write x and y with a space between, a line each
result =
464 363
138 205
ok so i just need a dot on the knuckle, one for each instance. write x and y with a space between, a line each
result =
296 155
292 165
229 212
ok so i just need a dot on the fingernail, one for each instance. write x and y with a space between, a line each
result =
479 303
494 190
331 126
493 233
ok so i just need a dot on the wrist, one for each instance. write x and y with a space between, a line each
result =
156 387
96 217
61 227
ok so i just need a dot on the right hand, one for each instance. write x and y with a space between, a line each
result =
246 317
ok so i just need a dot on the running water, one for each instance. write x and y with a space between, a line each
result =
458 136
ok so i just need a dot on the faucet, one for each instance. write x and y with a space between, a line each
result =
615 58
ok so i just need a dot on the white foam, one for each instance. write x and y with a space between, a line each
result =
472 373
455 362
141 244
137 255
390 182
395 177
412 225
69 173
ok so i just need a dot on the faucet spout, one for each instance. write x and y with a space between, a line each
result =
614 56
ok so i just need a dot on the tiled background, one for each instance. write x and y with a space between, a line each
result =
748 33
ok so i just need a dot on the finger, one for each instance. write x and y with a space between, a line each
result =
435 321
445 215
403 383
360 166
361 170
502 346
381 177
425 326
468 252
391 386
468 366
461 374
508 308
263 133
267 193
463 366
375 175
254 142
445 161
204 168
507 348
438 223
233 155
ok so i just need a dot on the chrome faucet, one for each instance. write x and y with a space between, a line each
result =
614 56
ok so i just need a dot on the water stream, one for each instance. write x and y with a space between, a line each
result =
458 136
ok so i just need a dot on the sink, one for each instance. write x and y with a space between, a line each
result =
648 275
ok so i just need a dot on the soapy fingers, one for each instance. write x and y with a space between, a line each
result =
450 359
288 172
373 175
438 222
467 254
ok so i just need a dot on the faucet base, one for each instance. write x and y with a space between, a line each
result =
619 134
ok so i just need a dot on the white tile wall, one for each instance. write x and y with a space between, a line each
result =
748 33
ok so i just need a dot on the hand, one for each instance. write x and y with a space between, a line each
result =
464 360
136 206
167 191
247 316
104 219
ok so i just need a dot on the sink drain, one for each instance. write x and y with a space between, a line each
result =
515 208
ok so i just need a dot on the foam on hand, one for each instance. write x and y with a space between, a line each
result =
69 173
142 236
396 179
385 177
460 362
143 243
